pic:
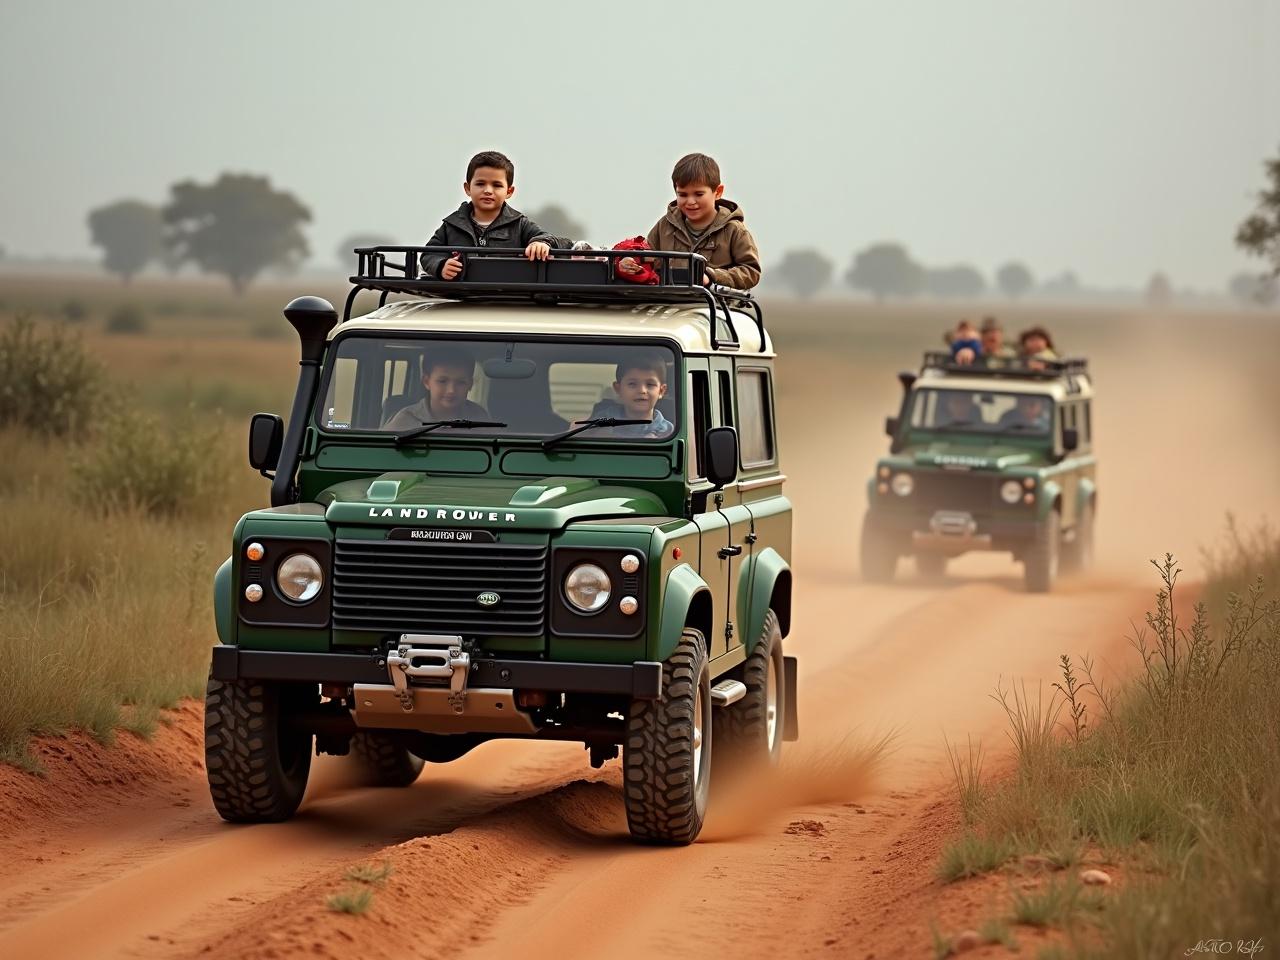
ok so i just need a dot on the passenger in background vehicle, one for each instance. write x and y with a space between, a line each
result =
957 410
1036 345
487 220
448 373
995 353
1030 414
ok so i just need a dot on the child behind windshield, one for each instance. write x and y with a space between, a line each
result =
641 382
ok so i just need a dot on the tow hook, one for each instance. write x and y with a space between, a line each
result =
422 656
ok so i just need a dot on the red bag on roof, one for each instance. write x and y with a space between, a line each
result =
645 273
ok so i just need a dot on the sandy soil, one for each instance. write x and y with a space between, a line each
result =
522 848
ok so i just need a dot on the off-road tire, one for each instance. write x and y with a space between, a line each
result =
665 801
931 566
742 728
877 553
1077 556
1040 566
383 760
256 765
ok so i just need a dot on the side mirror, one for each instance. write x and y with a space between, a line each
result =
722 456
891 426
1070 438
266 434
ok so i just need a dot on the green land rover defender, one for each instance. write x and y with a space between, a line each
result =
986 458
535 502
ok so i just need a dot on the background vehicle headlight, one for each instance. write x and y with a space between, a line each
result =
587 587
1011 491
299 577
902 484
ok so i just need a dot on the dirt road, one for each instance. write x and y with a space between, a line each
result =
525 846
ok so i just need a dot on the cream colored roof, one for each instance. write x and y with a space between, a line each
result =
1057 389
687 325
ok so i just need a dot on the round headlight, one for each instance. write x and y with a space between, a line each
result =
587 587
630 563
1011 491
299 577
902 484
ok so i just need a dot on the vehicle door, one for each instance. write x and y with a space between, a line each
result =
714 563
1069 479
737 515
760 480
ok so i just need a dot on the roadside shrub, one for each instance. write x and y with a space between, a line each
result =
126 318
48 381
139 461
75 311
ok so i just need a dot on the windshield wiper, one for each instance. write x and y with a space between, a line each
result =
1038 427
550 442
430 425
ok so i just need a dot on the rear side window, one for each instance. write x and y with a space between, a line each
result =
755 418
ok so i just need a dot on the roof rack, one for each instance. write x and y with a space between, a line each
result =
1068 368
587 276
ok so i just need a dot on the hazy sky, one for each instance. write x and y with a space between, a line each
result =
1112 137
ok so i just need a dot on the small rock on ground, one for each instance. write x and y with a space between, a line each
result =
1095 877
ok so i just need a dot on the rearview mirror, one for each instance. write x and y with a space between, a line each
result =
891 426
722 456
266 435
1070 438
509 368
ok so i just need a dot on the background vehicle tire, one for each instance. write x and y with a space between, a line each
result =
1077 556
384 760
256 764
878 555
931 566
666 759
1040 568
749 732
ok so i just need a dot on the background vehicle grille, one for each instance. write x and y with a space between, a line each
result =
404 586
954 490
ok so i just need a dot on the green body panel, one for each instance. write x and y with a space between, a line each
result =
224 614
682 584
766 567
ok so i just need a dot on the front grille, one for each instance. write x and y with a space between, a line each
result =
954 490
406 586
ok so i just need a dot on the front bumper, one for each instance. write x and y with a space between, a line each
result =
949 531
640 681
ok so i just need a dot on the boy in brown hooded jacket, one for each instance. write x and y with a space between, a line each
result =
701 221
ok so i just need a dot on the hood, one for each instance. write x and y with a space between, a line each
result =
495 503
726 211
961 456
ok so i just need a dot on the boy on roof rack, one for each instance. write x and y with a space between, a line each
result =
699 220
487 220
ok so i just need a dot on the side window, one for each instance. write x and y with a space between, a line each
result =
1087 438
726 398
699 419
755 418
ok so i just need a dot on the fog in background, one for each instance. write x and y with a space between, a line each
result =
1110 138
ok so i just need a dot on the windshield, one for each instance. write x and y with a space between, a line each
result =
508 388
982 411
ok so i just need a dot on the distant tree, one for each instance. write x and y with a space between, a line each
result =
1065 284
130 234
343 249
1259 234
1014 280
804 272
237 226
1249 288
961 282
1159 290
885 270
554 219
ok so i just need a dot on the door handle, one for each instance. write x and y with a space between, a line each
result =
731 551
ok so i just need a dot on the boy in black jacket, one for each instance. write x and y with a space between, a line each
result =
486 220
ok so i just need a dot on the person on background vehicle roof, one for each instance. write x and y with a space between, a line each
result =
699 220
995 352
448 373
964 342
487 220
1036 345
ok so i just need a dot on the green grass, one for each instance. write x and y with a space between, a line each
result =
368 873
995 930
355 901
1175 775
972 855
